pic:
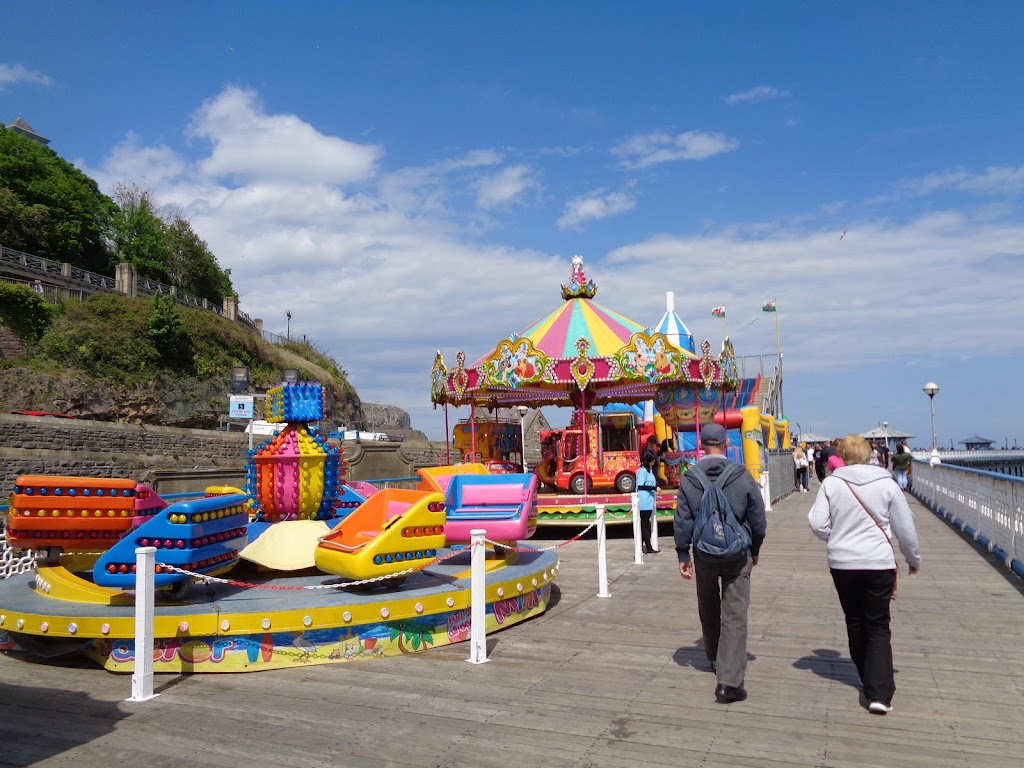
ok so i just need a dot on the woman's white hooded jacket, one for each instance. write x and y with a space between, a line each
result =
854 542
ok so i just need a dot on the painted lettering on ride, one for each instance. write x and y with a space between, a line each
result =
514 605
459 625
165 651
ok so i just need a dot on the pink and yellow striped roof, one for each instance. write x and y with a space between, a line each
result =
556 333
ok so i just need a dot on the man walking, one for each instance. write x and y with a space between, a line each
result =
723 585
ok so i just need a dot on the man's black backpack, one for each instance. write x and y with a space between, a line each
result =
716 531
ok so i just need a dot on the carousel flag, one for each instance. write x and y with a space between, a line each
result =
718 312
770 306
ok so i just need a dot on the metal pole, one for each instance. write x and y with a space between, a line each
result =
654 526
778 351
931 403
145 596
634 510
522 438
602 555
478 599
586 441
447 438
472 430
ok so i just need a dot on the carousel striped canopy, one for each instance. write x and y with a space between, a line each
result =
676 331
555 334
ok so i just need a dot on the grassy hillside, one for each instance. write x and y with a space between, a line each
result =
145 360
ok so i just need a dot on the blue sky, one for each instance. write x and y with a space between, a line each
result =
408 177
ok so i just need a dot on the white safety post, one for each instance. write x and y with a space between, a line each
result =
145 597
654 526
602 555
634 510
478 598
766 491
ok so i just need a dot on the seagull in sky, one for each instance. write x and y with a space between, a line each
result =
842 235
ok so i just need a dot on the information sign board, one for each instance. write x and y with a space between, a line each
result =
241 407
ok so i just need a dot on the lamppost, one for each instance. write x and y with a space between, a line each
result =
885 429
523 410
288 333
931 389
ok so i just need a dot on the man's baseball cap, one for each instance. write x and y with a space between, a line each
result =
712 434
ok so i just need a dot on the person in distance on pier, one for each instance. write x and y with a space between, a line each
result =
646 487
901 461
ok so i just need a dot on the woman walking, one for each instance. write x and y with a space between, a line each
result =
802 469
857 511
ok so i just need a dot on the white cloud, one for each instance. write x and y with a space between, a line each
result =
884 292
998 181
757 93
250 144
10 75
141 165
381 283
596 205
504 187
645 150
427 189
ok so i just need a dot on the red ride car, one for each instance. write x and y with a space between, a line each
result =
502 467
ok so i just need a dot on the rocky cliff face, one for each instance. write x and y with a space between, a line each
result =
391 420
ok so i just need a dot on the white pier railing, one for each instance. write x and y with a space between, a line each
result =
987 506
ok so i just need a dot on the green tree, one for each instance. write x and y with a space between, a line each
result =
167 332
50 208
21 224
138 234
192 265
24 311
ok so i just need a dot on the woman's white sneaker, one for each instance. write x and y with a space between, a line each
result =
879 708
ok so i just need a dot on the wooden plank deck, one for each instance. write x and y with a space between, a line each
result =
594 682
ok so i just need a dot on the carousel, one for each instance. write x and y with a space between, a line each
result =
586 356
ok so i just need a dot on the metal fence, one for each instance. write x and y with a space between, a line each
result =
56 268
92 282
781 474
987 506
52 294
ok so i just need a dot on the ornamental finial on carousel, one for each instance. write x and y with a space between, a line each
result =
578 286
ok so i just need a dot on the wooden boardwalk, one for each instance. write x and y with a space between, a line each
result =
618 681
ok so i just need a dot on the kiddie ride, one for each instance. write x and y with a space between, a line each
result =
609 459
325 573
602 470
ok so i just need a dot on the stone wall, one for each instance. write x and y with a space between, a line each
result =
78 447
